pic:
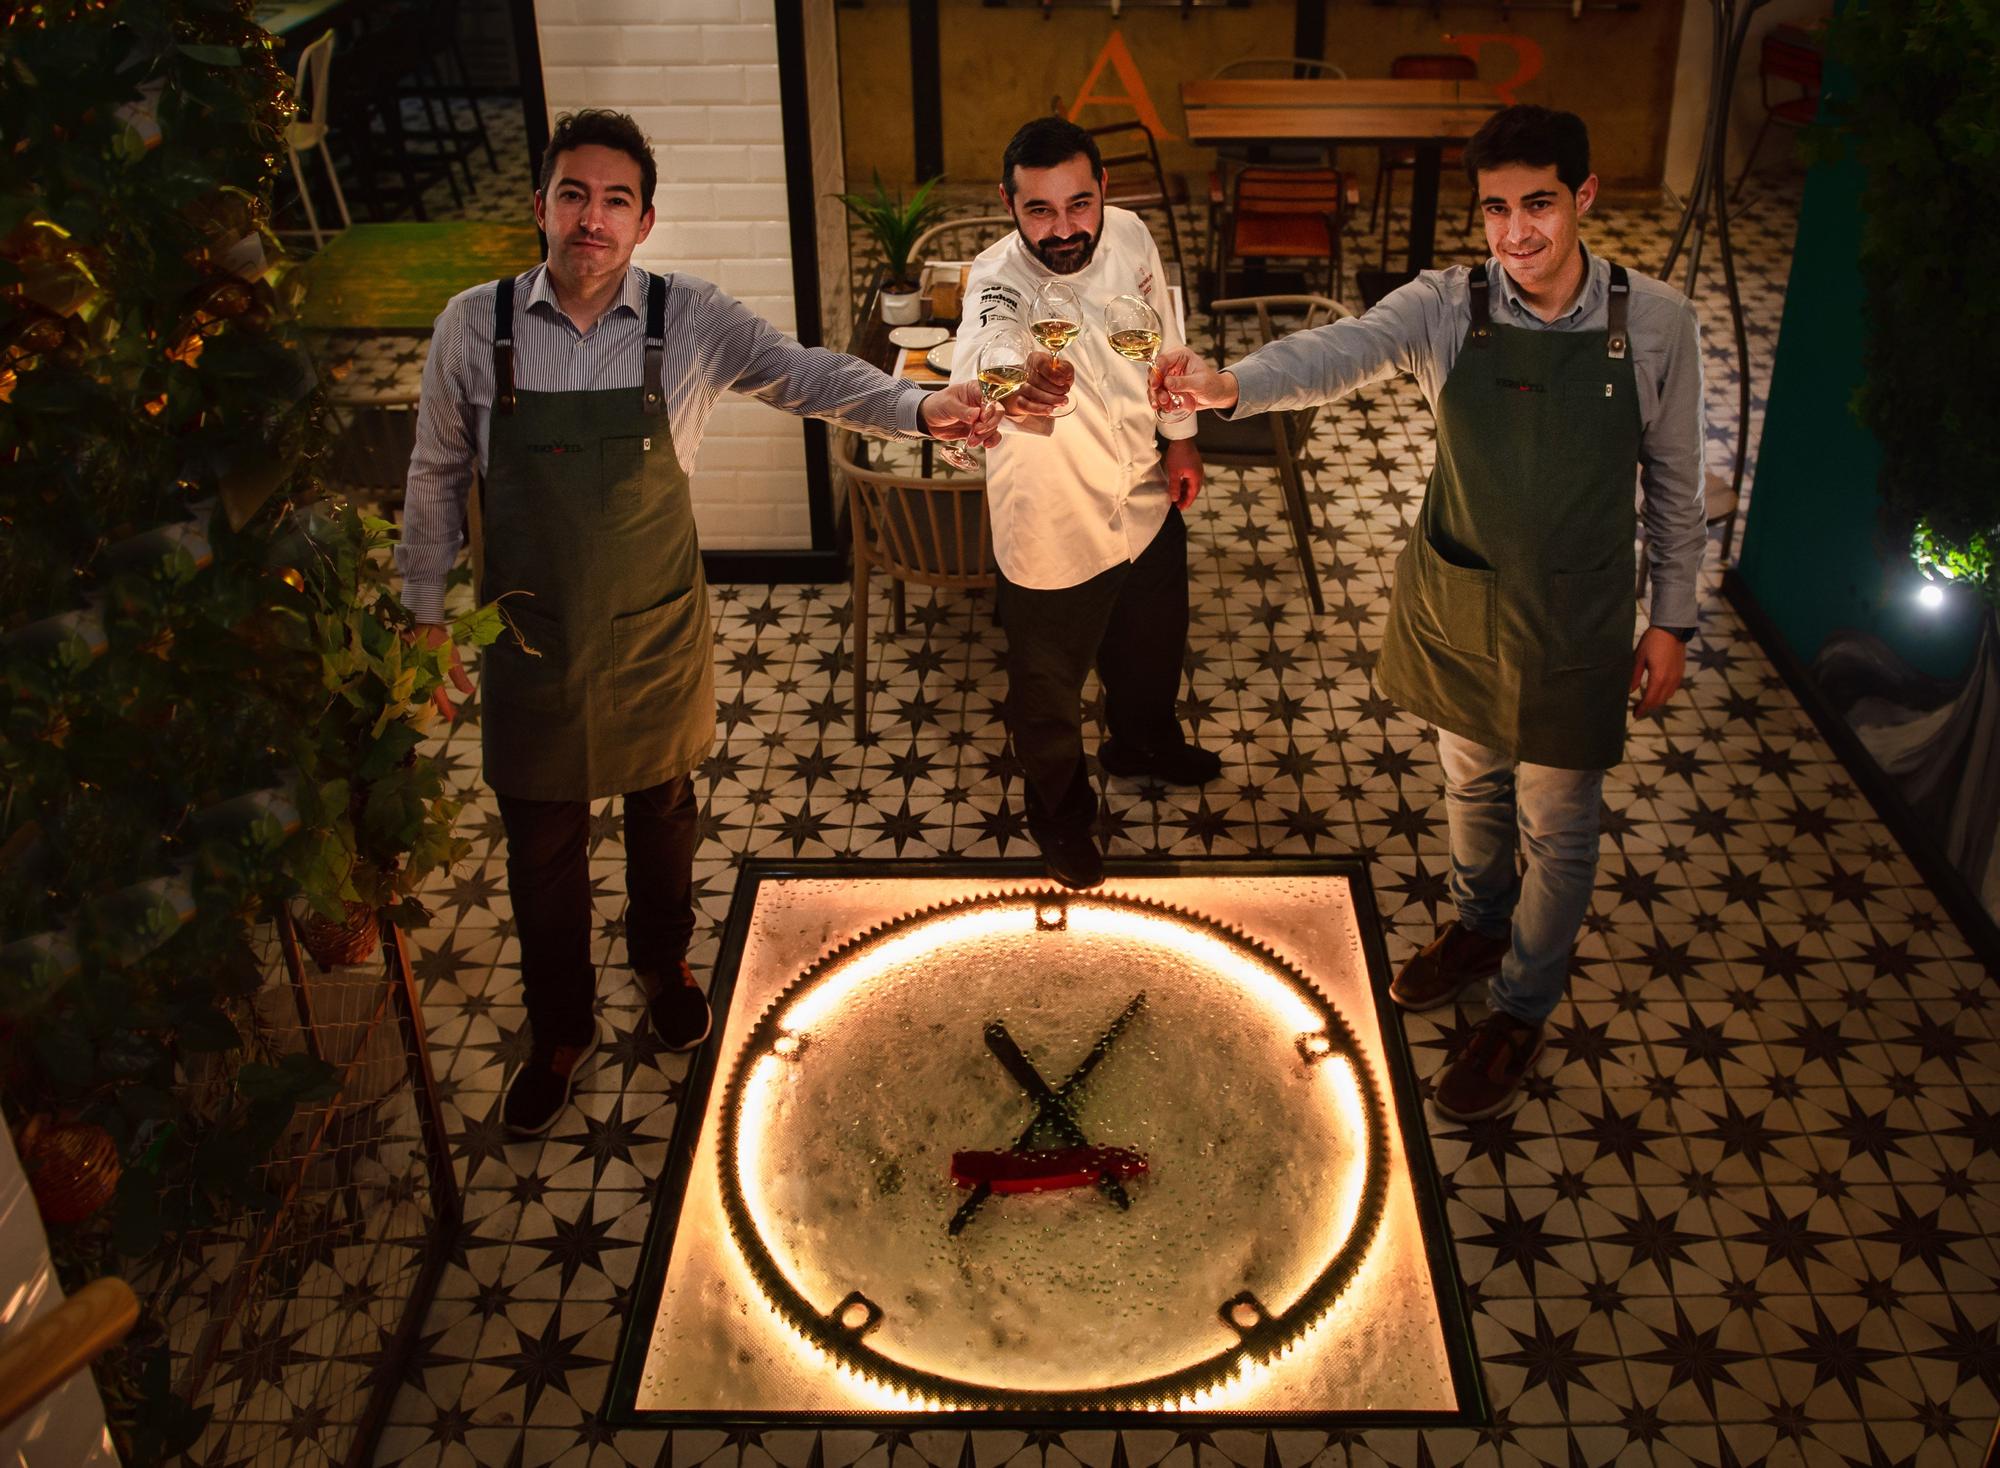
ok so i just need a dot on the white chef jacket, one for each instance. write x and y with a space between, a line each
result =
1072 497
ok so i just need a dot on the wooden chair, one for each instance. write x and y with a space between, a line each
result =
1279 213
925 532
959 239
50 1349
1273 441
369 453
1135 180
1229 157
1444 67
1788 55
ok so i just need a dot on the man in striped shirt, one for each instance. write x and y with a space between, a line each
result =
575 396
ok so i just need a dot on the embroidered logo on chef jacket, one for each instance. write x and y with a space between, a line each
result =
1145 285
998 300
555 448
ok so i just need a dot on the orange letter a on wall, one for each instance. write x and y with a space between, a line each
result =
1136 97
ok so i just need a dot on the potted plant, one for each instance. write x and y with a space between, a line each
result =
894 225
377 819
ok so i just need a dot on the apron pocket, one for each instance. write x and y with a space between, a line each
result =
657 655
1459 599
1592 616
622 469
524 669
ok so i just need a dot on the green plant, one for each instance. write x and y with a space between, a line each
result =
895 224
207 704
1919 106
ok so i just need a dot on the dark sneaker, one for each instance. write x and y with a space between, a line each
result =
541 1087
1441 968
1483 1077
679 1010
1072 858
1184 764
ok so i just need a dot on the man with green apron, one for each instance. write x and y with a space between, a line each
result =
1555 378
577 395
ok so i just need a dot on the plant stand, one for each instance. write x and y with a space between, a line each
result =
300 1318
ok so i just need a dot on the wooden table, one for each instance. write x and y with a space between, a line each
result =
395 278
1333 92
285 17
1421 114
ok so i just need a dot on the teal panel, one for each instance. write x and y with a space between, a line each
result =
1810 549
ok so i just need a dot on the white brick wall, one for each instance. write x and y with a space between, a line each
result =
701 76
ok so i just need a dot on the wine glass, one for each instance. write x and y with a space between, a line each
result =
1003 364
1055 318
1134 328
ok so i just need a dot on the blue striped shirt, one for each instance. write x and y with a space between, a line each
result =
714 344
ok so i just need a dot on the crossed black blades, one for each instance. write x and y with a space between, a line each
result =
1052 1107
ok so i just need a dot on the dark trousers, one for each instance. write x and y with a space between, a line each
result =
548 877
1131 622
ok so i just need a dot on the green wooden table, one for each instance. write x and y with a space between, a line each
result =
394 278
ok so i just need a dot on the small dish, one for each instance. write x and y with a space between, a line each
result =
919 336
939 357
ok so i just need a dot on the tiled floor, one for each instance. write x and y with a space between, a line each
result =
1747 1214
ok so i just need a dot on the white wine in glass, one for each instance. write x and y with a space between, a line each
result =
1003 364
1134 329
1055 317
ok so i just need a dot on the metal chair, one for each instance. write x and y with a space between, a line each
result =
1277 68
309 88
1789 55
1273 441
1444 67
1135 180
1281 214
925 532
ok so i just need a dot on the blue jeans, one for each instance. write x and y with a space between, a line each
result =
1491 802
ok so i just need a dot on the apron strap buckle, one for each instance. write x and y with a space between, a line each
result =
1617 341
503 345
1477 298
654 377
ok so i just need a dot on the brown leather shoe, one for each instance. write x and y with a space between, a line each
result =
1483 1077
1438 971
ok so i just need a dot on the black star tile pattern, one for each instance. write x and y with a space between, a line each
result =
1744 1214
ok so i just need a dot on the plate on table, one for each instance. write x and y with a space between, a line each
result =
939 357
919 336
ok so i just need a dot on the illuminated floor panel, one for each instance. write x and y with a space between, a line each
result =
970 1144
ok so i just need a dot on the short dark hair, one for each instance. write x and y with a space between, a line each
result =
1536 136
1045 142
606 129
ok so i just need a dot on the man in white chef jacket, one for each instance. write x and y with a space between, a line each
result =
1086 508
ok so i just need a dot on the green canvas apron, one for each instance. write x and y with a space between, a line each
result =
604 682
1512 616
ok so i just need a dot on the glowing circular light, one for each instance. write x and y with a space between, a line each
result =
1236 1241
1930 597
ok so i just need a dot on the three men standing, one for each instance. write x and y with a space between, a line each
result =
1555 377
576 395
1087 507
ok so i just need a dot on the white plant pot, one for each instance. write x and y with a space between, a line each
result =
900 308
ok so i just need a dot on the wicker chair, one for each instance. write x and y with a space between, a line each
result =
959 239
925 532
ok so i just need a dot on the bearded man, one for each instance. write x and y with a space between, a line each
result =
1086 507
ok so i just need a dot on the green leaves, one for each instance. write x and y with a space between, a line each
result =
894 224
1920 110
